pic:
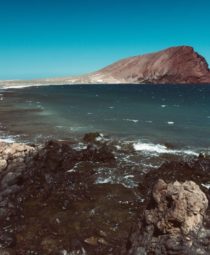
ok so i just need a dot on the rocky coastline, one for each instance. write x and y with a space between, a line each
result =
50 203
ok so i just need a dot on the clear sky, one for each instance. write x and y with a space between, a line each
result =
47 38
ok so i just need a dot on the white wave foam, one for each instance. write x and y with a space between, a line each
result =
129 176
7 140
160 149
170 123
100 137
101 180
80 146
206 185
131 120
118 147
150 147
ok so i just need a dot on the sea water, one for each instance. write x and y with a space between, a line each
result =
154 119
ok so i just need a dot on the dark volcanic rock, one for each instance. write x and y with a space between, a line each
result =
171 66
51 203
197 170
56 205
160 230
92 138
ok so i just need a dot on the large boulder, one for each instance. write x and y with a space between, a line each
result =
13 155
179 208
173 222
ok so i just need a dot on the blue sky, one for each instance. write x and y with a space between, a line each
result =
50 38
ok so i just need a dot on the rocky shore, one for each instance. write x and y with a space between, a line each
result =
50 203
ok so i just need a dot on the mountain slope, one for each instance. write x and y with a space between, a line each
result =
173 65
176 65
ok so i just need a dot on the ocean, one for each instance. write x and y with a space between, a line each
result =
152 123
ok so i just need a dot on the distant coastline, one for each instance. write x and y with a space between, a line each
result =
176 65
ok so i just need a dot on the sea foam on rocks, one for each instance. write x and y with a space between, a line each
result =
160 149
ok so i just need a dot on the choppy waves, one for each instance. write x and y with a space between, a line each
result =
160 149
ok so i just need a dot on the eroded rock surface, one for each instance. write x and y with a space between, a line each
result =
173 221
14 155
180 207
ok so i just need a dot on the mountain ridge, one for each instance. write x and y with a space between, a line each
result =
178 64
174 65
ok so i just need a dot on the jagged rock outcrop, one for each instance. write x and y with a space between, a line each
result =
180 207
14 155
14 159
173 222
